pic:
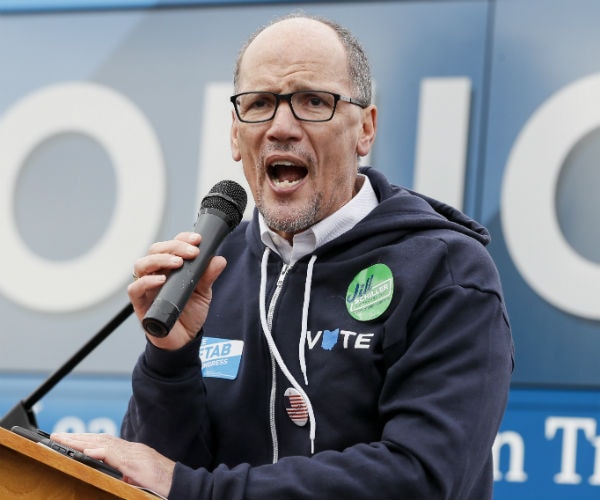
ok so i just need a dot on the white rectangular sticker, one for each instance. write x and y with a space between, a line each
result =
220 357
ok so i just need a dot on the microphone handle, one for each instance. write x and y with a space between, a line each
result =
170 301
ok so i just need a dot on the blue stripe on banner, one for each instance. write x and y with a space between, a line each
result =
16 6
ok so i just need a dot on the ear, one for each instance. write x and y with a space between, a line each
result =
235 149
368 130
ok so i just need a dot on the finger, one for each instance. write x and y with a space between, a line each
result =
203 290
152 273
190 237
183 244
79 441
97 453
157 264
165 255
143 291
214 269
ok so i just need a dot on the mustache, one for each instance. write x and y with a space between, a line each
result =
286 147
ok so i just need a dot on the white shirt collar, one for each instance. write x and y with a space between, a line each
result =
323 231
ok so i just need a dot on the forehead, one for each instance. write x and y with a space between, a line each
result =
294 52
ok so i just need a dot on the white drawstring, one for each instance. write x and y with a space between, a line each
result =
305 304
275 352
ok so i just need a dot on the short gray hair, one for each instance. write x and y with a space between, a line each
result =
358 63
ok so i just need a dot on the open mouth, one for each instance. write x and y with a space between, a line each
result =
286 174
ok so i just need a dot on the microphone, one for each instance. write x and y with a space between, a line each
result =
220 212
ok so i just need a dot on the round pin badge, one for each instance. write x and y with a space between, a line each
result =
296 406
370 292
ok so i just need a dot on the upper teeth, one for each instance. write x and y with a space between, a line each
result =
284 164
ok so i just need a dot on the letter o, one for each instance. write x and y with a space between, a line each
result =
531 230
121 128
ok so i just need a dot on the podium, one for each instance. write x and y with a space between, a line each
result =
30 470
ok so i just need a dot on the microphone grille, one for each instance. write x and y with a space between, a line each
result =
229 198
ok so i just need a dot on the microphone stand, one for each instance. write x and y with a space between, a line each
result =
22 413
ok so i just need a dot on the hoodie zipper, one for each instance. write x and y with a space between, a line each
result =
282 274
271 312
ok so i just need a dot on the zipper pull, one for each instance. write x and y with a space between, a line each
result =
284 270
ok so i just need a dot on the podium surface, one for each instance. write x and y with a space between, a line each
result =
30 470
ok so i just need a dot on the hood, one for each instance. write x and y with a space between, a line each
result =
402 209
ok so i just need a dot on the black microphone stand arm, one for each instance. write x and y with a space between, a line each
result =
22 413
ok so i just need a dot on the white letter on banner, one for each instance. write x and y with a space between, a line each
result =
443 138
131 143
570 427
215 158
533 236
516 458
595 477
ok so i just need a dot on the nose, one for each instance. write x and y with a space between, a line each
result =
284 125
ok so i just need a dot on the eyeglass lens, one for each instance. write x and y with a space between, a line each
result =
311 105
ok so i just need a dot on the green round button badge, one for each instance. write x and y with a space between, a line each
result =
370 292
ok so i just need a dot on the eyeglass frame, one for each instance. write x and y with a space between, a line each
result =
288 97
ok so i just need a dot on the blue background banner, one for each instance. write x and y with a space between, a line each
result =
114 121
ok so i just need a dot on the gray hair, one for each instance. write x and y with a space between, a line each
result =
358 63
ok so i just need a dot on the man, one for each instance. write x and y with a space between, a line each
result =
374 348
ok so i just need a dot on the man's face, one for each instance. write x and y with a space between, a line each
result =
300 172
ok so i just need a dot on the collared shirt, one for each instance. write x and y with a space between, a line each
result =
323 231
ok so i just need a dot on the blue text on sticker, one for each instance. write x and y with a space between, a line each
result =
220 357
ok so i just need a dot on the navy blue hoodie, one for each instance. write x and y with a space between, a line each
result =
376 368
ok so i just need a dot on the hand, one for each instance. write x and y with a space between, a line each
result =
139 464
152 271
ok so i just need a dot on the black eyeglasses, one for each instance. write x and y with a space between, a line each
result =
306 105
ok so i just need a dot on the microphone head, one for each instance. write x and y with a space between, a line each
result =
229 198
